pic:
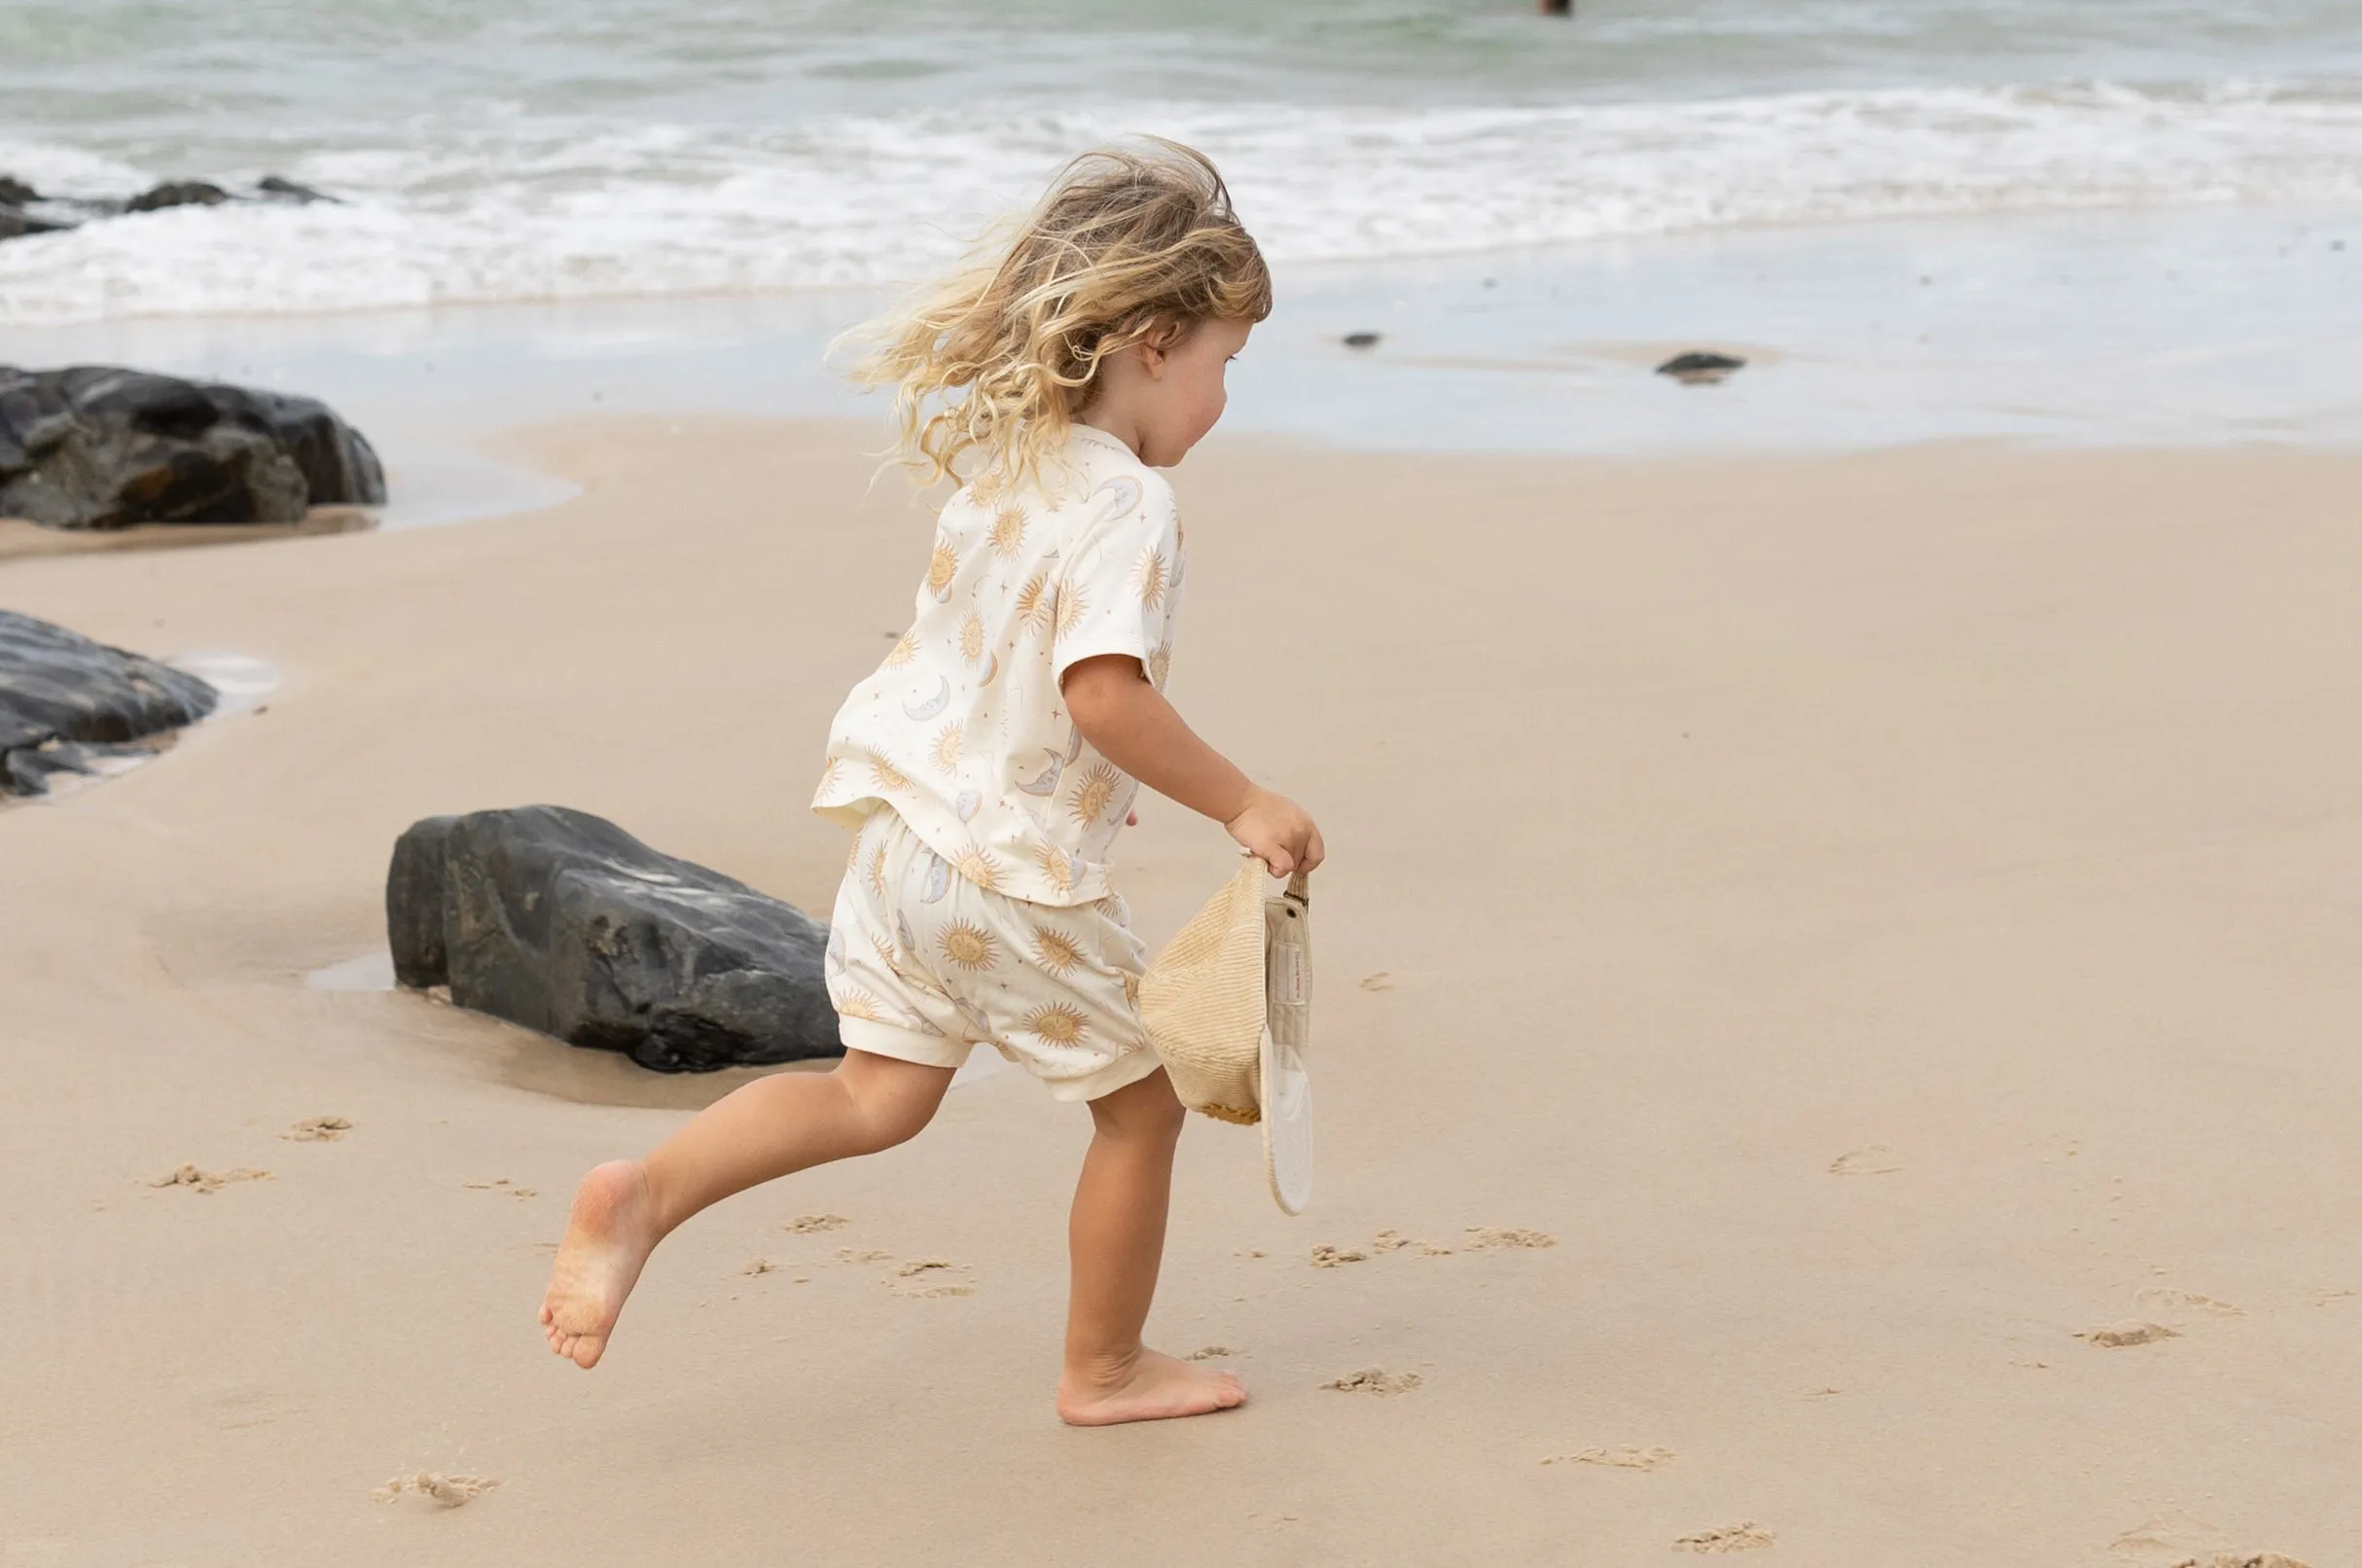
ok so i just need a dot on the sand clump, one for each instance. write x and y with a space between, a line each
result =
1746 1536
208 1181
1325 1256
1374 1381
318 1130
1494 1238
2118 1335
1625 1456
812 1224
931 1277
444 1491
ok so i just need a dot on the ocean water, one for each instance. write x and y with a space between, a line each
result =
554 150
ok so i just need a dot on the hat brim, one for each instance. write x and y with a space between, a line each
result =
1287 1124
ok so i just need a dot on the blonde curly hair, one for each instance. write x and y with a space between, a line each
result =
1130 243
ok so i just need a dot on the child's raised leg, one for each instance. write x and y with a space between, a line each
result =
786 1122
1116 1237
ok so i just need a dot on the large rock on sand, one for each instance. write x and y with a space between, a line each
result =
565 923
66 701
96 448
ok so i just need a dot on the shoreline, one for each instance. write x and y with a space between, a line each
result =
2091 329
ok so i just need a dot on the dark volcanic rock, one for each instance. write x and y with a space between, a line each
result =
96 448
16 193
58 689
565 923
1700 369
178 194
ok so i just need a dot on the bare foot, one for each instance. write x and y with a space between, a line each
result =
608 1238
1154 1388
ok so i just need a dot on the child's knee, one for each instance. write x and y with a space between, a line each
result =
1147 1111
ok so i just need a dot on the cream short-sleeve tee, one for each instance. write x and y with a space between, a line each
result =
963 730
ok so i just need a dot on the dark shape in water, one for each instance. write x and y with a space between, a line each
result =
1698 367
66 701
563 923
280 190
1361 340
99 447
16 193
178 194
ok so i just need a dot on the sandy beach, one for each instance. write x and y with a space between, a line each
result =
1886 920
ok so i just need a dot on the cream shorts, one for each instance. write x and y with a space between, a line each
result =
923 964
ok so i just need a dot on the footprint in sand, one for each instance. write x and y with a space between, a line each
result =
1494 1238
208 1181
1746 1536
2156 1296
811 1224
1383 980
931 1277
1396 1241
1210 1353
2117 1335
862 1255
2325 1298
2175 1539
318 1130
1870 1159
444 1491
500 1184
1624 1457
1328 1257
1371 1380
760 1265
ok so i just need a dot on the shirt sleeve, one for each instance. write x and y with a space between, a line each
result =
1121 587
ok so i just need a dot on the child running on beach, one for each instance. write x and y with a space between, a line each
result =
987 766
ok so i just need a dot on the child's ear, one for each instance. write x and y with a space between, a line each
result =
1158 346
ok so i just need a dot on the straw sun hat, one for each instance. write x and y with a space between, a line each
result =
1229 1007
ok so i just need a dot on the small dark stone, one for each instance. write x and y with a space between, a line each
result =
94 446
1700 369
1361 340
16 193
64 697
178 194
16 222
562 922
271 185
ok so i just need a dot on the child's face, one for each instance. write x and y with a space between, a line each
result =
1184 396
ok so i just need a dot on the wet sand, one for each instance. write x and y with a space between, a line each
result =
1887 921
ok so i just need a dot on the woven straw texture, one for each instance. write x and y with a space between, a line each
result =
1202 1003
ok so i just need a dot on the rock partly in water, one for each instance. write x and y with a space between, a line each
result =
565 923
1360 340
99 448
16 221
16 193
178 194
67 703
287 190
1700 369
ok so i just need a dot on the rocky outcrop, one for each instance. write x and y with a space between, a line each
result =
99 448
24 210
67 703
565 923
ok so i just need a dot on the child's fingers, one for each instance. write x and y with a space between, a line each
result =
1314 852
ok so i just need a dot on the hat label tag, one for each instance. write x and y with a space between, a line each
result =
1287 976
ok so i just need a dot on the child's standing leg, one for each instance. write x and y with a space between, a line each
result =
1116 1239
774 1125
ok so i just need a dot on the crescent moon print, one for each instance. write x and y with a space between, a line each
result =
992 670
939 879
933 705
1123 495
1048 783
902 932
967 804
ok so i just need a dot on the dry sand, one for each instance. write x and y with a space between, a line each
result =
1885 918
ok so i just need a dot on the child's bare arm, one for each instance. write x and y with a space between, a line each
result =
1129 722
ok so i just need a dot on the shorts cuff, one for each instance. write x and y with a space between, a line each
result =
903 1045
1122 1073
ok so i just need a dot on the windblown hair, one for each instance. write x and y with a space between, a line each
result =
991 364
